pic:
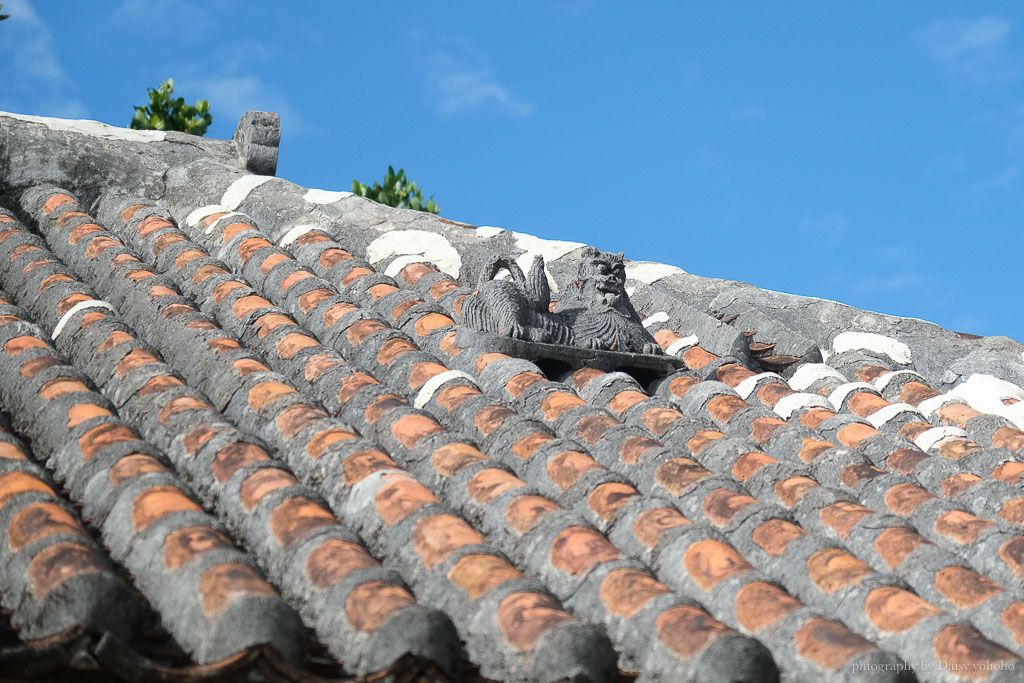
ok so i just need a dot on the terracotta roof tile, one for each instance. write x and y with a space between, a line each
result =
757 511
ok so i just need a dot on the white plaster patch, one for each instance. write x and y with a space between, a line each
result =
314 196
882 381
428 246
809 373
92 128
868 341
80 306
883 415
488 231
840 393
551 250
985 393
364 491
649 272
747 386
196 217
654 318
226 217
789 404
930 405
394 268
431 386
525 262
295 233
934 436
681 344
240 189
1015 414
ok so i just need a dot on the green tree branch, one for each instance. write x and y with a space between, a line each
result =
397 191
166 113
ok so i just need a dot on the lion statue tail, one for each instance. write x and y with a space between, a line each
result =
499 263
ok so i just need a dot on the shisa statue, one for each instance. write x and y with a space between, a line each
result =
592 312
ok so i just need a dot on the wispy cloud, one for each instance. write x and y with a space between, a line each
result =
971 51
745 113
999 183
576 7
163 18
231 95
462 90
827 229
34 81
891 252
462 83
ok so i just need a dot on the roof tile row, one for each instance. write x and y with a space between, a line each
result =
56 576
732 508
383 417
759 502
382 292
215 604
318 563
392 512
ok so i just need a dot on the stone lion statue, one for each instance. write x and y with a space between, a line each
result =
593 312
517 307
598 309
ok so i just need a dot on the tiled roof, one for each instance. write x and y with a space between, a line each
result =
239 436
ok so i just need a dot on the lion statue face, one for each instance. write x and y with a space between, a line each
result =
602 277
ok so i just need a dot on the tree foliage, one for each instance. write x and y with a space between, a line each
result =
397 191
3 16
165 112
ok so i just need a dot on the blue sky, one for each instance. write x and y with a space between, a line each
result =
868 152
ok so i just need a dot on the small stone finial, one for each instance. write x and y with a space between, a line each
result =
257 138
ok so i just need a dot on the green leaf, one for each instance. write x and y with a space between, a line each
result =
398 191
165 112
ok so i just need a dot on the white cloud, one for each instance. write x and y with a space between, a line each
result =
461 82
891 252
745 113
463 90
575 8
986 189
971 50
34 81
163 18
230 96
827 229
